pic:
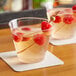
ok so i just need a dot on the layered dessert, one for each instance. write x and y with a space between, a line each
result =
31 42
64 23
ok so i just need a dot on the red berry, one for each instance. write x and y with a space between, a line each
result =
17 36
68 19
74 8
57 19
25 38
26 29
45 26
39 39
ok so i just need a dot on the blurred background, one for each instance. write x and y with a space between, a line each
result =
20 5
11 9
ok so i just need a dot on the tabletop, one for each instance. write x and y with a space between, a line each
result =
67 53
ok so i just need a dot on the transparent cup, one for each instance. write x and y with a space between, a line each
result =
30 41
63 20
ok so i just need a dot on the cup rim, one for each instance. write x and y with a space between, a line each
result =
60 10
9 23
28 18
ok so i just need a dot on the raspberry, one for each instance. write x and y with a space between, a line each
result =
74 8
45 26
68 19
17 37
26 29
39 39
57 19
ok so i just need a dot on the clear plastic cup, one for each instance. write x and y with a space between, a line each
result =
63 20
31 42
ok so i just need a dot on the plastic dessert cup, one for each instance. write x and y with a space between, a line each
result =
63 21
31 38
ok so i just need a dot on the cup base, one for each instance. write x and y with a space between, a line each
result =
31 61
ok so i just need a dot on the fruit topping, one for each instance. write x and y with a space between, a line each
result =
68 19
39 39
74 8
26 29
17 37
45 26
57 19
